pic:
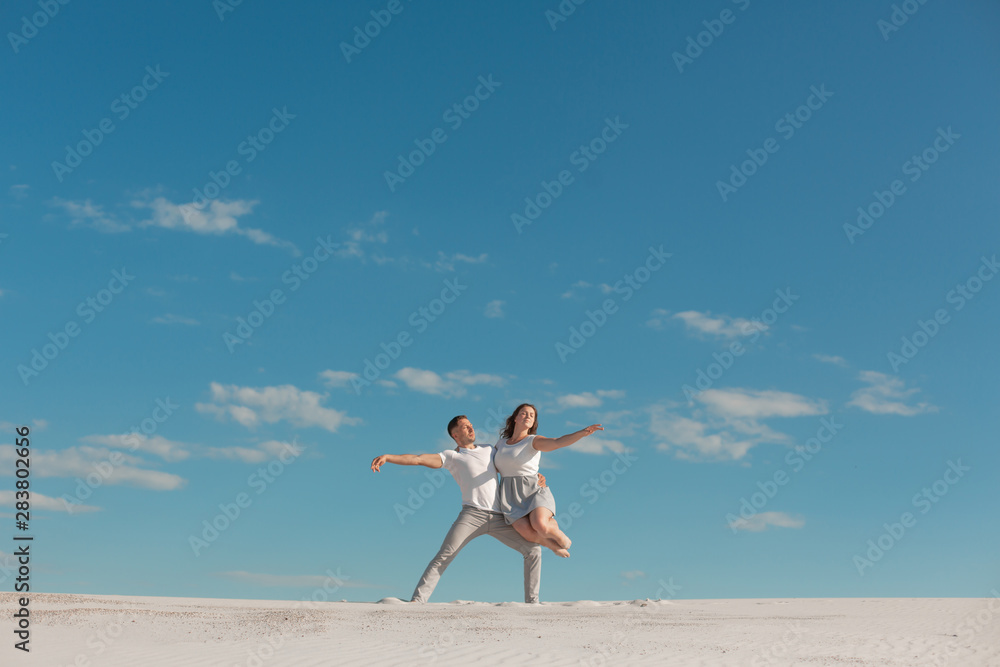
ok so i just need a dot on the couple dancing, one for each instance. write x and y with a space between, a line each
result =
519 511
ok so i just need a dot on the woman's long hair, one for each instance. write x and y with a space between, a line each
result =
508 429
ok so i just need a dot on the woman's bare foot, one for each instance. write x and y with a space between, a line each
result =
558 536
562 553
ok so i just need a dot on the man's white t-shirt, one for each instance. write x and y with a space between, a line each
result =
473 470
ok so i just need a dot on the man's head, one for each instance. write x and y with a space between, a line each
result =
461 431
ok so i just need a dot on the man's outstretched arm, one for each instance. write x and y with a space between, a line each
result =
429 460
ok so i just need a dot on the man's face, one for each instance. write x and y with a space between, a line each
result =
463 433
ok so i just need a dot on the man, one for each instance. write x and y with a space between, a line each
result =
472 467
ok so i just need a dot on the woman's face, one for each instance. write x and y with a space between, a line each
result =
525 417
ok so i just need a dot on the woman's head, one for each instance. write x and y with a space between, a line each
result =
524 415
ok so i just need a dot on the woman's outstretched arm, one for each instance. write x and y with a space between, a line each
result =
550 444
429 460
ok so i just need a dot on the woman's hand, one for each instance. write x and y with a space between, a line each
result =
378 461
590 429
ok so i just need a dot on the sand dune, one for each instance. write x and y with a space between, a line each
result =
152 631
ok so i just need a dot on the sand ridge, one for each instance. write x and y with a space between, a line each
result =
123 630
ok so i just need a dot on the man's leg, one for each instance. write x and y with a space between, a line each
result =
532 554
471 523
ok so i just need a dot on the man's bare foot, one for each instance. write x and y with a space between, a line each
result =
562 553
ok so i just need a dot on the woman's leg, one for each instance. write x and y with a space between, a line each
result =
544 523
524 527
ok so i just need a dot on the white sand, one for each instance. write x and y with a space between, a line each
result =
89 630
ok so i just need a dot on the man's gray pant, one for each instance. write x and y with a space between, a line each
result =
470 524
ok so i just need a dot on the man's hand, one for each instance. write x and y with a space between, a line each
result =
429 460
541 480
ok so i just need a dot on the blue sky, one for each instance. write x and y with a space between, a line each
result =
214 221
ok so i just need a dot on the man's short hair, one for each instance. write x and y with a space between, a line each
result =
454 422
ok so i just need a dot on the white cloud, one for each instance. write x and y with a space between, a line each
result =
218 218
446 263
337 378
722 326
575 289
886 395
584 400
243 454
617 423
451 384
690 439
755 404
19 191
596 444
251 405
11 427
631 575
588 399
170 318
830 359
726 427
83 461
265 451
86 214
494 309
762 520
658 319
168 450
43 502
172 451
358 238
8 564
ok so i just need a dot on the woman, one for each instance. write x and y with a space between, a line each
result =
526 506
